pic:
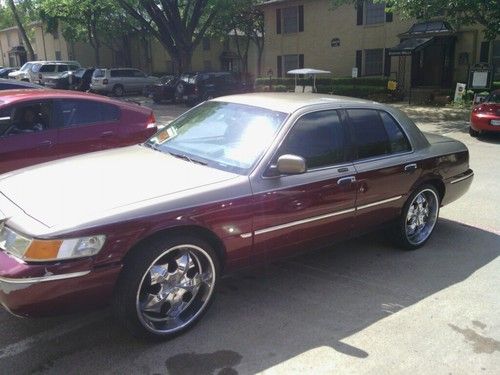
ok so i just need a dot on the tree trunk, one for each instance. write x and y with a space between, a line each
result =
29 47
184 58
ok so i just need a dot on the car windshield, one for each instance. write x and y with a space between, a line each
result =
25 67
99 73
226 136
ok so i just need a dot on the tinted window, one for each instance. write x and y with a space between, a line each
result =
397 139
85 112
48 68
138 73
62 68
30 118
369 133
122 73
318 137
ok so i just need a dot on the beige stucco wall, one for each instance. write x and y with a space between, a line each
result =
8 38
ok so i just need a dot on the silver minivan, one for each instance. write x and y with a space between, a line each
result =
119 81
51 69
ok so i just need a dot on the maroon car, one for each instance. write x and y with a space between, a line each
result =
485 117
234 182
42 125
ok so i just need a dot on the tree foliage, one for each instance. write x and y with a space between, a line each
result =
179 25
457 12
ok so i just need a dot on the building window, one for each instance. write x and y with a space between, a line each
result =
375 13
374 62
207 65
58 55
290 62
290 20
206 44
495 58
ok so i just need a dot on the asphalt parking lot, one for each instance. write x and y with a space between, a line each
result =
361 307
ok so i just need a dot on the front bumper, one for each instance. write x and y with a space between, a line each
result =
53 288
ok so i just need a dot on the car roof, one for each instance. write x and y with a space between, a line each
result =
20 83
290 102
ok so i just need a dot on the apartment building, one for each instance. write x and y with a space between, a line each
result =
362 35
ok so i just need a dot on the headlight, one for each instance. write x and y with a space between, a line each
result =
32 249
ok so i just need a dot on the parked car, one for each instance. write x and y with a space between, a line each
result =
4 72
120 81
169 89
22 73
200 86
235 181
42 125
485 117
149 90
53 70
9 84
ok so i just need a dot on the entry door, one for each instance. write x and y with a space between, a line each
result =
384 164
298 212
26 138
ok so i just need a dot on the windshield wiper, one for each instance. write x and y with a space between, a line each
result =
187 158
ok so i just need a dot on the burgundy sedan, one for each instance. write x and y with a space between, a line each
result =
485 117
234 182
42 125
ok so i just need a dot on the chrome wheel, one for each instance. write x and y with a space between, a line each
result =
421 216
175 289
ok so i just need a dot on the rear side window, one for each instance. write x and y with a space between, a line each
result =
62 68
369 133
48 68
98 73
397 139
318 137
85 112
122 73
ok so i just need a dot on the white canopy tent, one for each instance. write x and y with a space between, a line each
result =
307 71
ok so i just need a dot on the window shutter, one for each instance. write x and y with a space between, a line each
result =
485 52
301 61
359 9
388 17
278 21
359 61
301 18
387 63
279 66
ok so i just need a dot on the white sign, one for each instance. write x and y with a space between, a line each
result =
355 72
480 80
459 91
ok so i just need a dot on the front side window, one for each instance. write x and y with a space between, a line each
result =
370 136
226 136
318 137
290 20
375 13
48 68
25 119
138 74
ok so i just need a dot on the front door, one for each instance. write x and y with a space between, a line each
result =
27 135
296 212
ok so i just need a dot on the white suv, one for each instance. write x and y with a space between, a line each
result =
50 69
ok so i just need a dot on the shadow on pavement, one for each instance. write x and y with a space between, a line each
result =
266 316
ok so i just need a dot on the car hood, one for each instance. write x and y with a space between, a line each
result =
76 189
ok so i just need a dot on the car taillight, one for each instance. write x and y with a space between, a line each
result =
105 81
151 123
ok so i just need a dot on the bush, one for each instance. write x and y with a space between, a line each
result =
290 82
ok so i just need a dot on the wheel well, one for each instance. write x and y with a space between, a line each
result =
439 185
201 232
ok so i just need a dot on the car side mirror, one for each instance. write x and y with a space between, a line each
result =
291 164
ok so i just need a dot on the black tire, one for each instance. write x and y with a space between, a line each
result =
135 286
402 231
118 90
472 132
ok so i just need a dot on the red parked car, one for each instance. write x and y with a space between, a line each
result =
42 125
234 182
485 117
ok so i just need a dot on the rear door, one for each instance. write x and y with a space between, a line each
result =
384 164
26 139
86 126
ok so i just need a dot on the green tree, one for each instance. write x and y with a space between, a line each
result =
179 25
457 12
19 19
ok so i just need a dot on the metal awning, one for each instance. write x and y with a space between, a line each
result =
428 29
408 46
17 49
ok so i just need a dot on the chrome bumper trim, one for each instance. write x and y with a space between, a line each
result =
462 178
41 279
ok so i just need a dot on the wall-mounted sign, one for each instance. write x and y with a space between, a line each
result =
459 92
354 73
335 42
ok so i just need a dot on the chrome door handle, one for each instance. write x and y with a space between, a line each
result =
411 167
45 144
106 134
346 180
